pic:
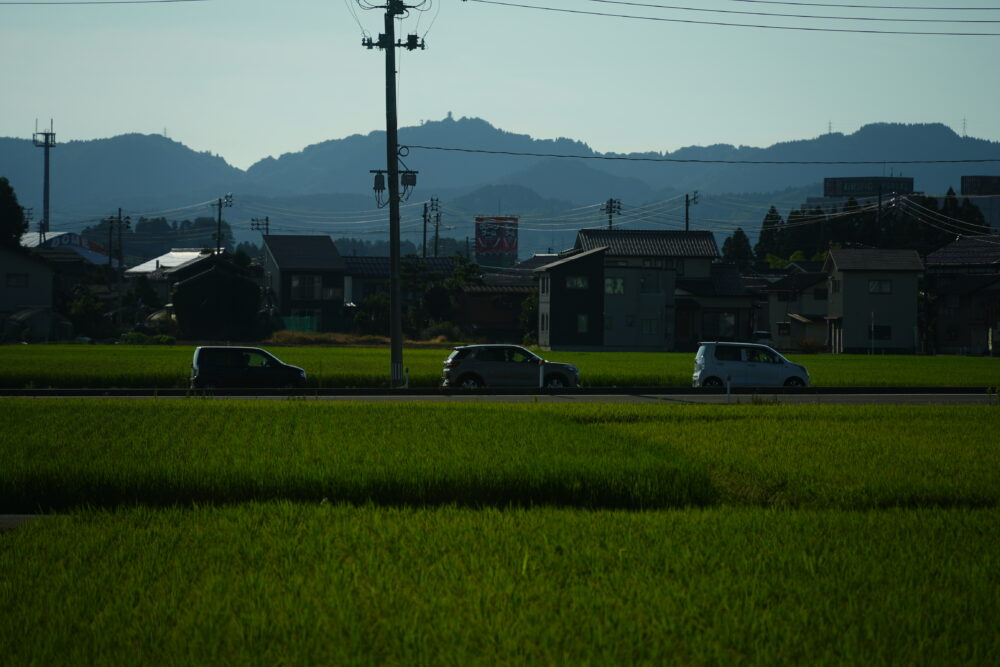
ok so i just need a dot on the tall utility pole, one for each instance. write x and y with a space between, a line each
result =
436 209
45 140
424 245
387 42
611 207
688 201
224 202
261 224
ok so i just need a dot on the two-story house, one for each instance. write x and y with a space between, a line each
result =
304 281
640 290
962 296
873 297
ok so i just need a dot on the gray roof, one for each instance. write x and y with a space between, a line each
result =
796 282
873 259
304 253
649 242
571 257
968 251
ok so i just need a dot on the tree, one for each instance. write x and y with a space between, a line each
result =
736 250
769 242
13 224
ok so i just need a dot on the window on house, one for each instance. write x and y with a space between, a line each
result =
545 322
543 285
784 328
577 282
16 280
306 287
820 294
614 285
581 323
880 287
880 332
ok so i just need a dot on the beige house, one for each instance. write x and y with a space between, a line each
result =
872 300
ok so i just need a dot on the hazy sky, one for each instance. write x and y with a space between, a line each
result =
250 78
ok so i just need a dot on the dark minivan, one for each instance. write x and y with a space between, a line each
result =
227 366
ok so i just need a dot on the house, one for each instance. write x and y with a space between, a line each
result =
366 275
641 290
872 300
962 296
26 296
797 308
304 281
170 268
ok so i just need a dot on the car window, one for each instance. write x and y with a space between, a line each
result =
489 354
257 360
727 353
520 356
757 355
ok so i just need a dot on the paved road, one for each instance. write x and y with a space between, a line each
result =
648 395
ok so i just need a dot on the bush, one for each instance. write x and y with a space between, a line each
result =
442 331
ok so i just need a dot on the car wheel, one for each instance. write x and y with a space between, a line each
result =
794 382
470 382
555 381
712 383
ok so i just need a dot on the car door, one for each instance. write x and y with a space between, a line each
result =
759 367
522 368
728 364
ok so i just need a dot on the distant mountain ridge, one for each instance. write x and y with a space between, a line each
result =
145 172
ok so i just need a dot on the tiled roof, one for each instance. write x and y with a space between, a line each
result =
294 252
968 251
649 242
378 267
873 259
796 282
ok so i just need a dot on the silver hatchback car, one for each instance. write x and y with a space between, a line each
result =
745 365
471 366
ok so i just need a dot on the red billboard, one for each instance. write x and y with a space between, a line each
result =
496 241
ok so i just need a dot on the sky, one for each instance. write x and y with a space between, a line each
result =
248 79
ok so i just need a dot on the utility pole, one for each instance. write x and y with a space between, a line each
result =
258 224
29 214
387 42
46 140
611 207
688 201
424 244
224 202
436 208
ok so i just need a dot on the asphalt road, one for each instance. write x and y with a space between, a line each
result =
813 396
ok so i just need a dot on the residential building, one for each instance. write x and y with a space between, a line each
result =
304 281
641 290
26 296
797 308
872 303
962 297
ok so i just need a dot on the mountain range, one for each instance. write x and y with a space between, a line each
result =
91 179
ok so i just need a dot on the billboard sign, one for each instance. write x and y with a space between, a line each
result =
496 240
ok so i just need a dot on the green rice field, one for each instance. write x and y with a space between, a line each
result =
206 531
106 366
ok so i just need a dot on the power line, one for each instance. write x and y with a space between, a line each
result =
905 7
100 2
791 16
734 25
625 158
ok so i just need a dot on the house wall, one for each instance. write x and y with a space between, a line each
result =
573 317
801 303
24 282
325 302
638 306
860 308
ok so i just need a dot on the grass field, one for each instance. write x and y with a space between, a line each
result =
287 583
158 451
201 531
102 366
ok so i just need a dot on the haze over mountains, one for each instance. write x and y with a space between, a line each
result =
90 179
